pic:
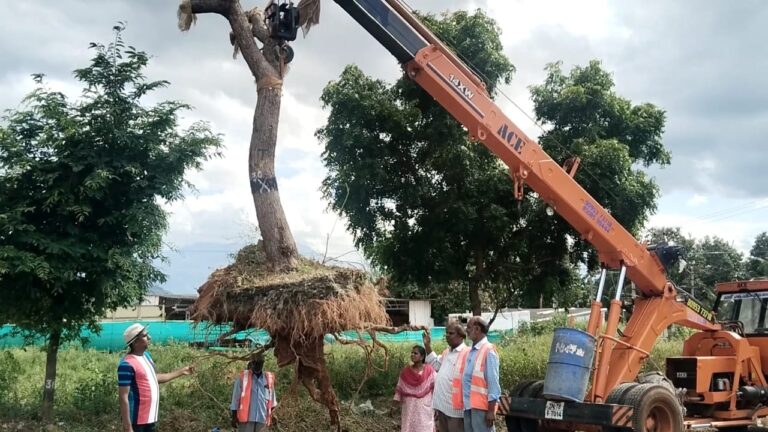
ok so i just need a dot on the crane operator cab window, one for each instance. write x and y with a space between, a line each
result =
747 309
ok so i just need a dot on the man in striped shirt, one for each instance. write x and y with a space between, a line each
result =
448 418
139 393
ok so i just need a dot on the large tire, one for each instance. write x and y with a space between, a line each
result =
529 389
655 409
535 390
617 395
520 387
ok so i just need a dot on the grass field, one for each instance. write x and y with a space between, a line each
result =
86 389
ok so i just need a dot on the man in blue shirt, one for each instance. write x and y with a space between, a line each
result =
480 386
253 398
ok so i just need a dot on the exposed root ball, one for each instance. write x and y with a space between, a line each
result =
297 309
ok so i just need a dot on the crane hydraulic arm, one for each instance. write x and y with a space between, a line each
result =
446 78
433 66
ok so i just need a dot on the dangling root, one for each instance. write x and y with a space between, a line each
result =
186 17
298 309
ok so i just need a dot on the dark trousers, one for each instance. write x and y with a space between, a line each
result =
449 424
149 427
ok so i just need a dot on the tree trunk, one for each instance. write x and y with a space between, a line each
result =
476 281
474 297
279 245
268 70
49 389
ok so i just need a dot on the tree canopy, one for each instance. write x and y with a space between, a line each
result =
424 203
432 208
757 262
710 260
82 185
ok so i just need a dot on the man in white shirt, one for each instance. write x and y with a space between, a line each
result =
449 419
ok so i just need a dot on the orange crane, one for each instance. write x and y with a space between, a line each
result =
728 387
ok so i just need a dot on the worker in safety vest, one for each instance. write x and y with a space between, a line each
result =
448 417
476 380
253 398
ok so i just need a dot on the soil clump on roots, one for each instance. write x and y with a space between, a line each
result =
297 309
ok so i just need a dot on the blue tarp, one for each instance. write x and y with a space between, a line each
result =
111 336
165 332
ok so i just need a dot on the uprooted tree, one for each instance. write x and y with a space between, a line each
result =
267 65
269 285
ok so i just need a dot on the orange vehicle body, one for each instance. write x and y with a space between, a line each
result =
731 359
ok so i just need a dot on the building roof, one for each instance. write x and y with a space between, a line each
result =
162 292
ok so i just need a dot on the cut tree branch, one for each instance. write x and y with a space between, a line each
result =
242 30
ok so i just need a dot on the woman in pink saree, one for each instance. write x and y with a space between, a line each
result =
414 392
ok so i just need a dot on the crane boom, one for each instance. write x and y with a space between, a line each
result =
433 66
452 83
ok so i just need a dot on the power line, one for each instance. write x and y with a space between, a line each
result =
727 211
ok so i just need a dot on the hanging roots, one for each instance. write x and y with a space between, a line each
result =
309 15
297 309
186 17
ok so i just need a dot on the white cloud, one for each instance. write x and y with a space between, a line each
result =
738 221
697 200
593 19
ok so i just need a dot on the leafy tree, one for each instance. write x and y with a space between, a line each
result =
709 260
613 138
714 260
757 262
81 190
426 205
430 207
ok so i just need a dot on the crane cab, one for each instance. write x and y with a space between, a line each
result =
723 372
744 304
741 306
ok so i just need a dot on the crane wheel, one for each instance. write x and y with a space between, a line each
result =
529 389
655 409
521 387
617 395
535 390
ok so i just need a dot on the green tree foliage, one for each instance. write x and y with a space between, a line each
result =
713 260
709 260
426 205
431 208
757 262
613 137
81 190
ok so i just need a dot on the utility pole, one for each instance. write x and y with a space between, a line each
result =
693 279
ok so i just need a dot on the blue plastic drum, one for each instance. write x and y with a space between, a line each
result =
570 364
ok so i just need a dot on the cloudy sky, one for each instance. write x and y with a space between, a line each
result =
704 62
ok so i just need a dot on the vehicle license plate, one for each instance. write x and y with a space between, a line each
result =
554 410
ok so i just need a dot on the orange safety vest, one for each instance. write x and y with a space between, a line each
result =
478 393
245 396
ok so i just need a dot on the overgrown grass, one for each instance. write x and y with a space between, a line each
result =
86 391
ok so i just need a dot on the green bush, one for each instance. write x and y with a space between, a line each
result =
541 328
97 394
9 367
